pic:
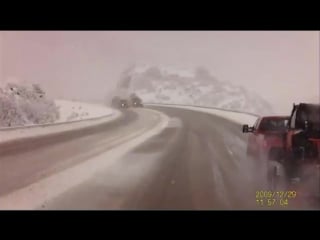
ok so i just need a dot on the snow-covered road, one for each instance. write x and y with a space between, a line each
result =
197 162
36 171
195 159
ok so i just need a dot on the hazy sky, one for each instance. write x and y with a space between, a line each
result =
281 66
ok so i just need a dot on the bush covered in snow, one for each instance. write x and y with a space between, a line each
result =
25 105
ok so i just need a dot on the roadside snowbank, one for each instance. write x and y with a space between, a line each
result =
240 118
36 195
73 110
97 114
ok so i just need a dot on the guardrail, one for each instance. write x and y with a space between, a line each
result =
222 109
11 138
53 124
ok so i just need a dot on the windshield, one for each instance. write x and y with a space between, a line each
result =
174 120
273 124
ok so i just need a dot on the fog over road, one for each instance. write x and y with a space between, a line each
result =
197 162
24 162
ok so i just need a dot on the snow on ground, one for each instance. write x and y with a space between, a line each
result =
37 194
167 84
73 110
240 118
97 114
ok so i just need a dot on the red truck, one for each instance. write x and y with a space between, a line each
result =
267 138
292 141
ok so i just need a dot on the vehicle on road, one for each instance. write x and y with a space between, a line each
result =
266 145
302 142
118 102
124 103
135 101
295 145
266 138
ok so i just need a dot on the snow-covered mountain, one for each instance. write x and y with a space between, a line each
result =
166 85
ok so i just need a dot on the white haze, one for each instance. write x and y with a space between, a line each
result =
282 66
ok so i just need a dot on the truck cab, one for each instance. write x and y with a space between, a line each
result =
267 137
303 137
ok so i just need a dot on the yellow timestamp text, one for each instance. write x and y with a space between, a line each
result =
275 198
270 202
276 194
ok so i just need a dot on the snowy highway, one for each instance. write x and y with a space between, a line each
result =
158 157
29 170
196 161
154 120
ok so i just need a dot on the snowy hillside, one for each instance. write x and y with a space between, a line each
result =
167 85
22 105
96 115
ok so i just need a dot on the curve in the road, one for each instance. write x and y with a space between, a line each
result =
25 162
197 162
